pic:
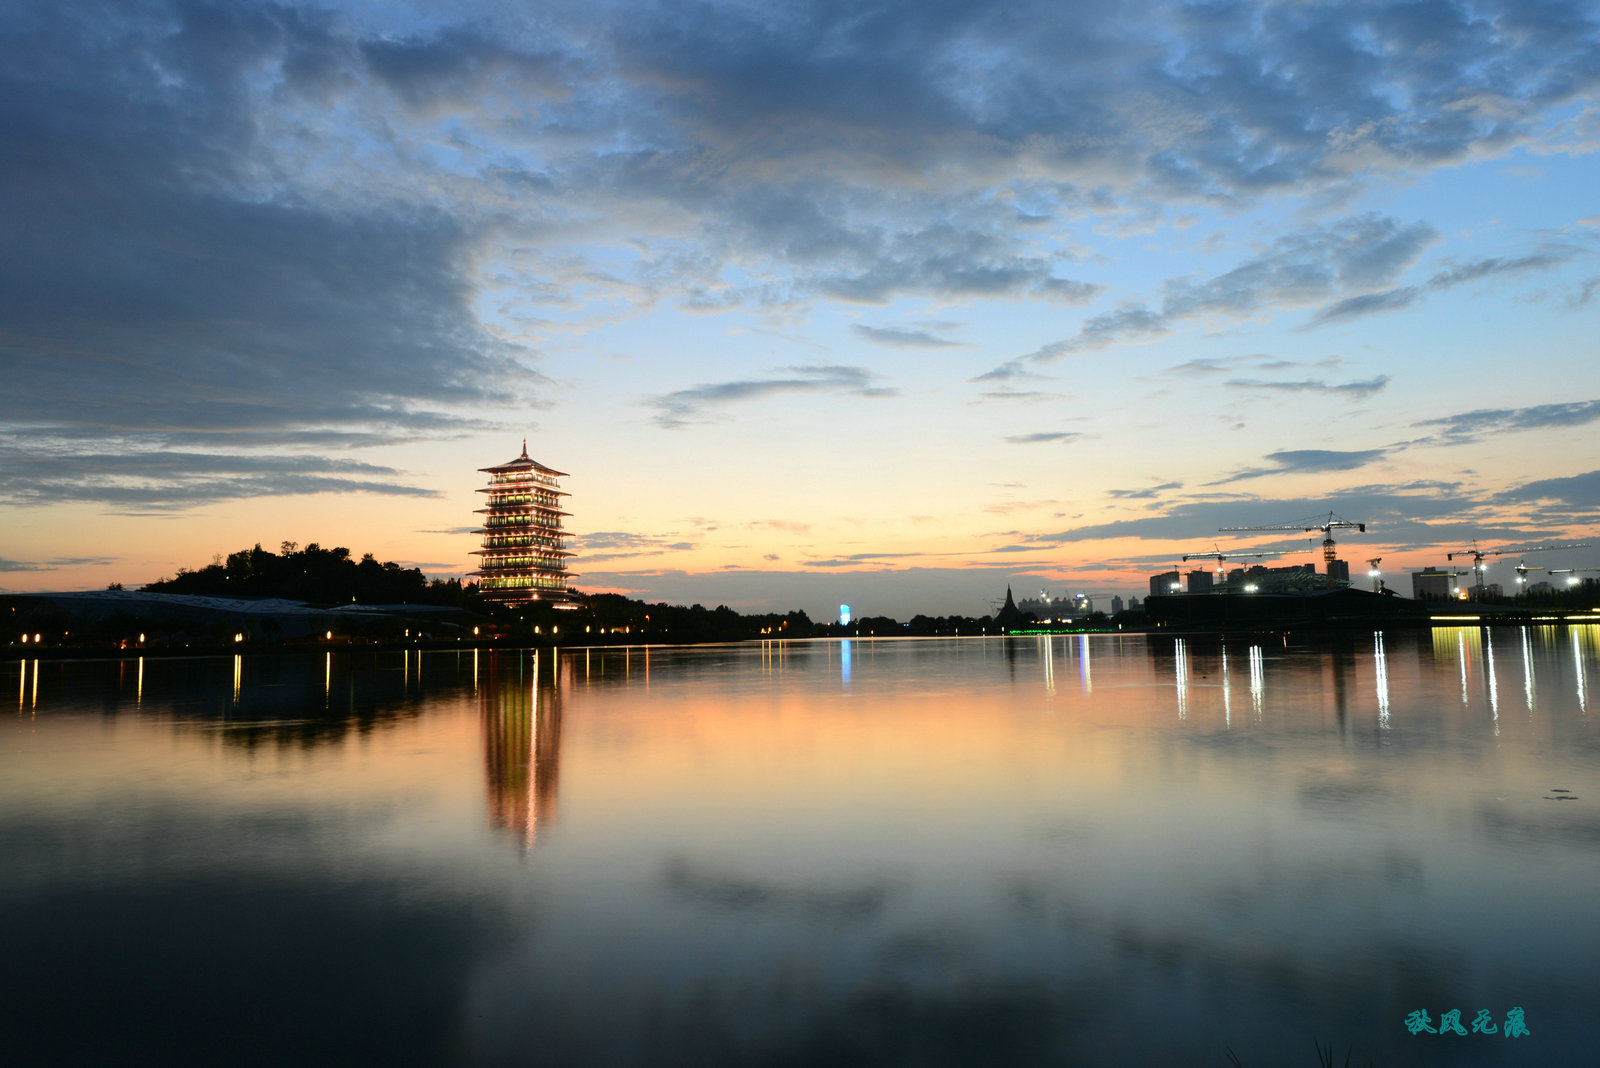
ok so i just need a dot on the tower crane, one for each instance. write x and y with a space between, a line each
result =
1222 555
1326 526
1574 572
1523 567
1478 556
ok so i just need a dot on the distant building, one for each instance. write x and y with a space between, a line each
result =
1045 607
1339 572
1433 584
523 558
1133 604
1168 582
1259 578
1200 580
1116 604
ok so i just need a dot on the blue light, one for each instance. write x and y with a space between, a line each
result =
844 615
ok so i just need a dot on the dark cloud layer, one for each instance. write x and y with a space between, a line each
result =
166 283
158 276
240 225
1576 491
146 481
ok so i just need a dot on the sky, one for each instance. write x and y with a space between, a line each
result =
894 304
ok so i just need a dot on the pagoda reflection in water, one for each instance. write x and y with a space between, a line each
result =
520 709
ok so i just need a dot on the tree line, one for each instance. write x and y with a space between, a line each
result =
332 576
316 576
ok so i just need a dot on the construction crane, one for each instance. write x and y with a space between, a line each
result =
1478 556
1523 567
1574 572
1222 555
1327 527
1456 589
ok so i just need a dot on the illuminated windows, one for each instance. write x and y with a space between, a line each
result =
523 558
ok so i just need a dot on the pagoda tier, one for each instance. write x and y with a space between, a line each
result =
523 558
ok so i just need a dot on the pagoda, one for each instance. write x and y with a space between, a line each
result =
522 556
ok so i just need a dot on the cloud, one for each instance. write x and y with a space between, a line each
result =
1132 322
1362 252
171 285
1366 304
1473 425
1192 102
943 260
38 474
451 67
1010 370
898 337
23 565
1203 367
1585 293
601 545
687 406
1493 265
1358 389
1296 461
1405 296
1029 395
1405 515
1040 438
237 226
858 558
1357 252
1144 494
1582 491
1210 366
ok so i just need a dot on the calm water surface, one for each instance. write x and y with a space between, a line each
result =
1101 850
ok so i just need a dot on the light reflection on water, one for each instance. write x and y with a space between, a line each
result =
884 851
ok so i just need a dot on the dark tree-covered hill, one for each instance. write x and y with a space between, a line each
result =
314 575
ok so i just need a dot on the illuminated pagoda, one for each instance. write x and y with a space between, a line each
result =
522 556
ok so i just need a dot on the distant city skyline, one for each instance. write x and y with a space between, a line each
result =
892 305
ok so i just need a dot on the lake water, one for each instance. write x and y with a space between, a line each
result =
1075 850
